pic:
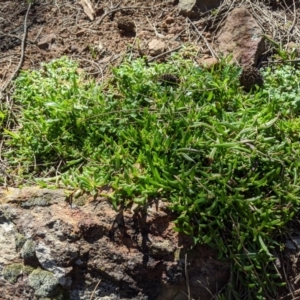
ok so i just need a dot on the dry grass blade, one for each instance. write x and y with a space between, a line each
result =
295 295
187 277
287 281
88 8
295 17
93 293
163 54
213 53
208 290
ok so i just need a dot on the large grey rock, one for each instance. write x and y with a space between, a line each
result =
49 249
241 36
192 8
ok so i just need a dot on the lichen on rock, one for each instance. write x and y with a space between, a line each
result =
44 283
20 240
28 250
13 271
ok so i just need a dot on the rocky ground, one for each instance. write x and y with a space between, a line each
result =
91 251
102 35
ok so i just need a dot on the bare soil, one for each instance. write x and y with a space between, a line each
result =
94 44
104 41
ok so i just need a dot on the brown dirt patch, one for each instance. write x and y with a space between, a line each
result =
61 27
94 44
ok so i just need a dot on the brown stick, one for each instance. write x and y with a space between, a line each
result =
22 54
95 289
213 53
163 54
187 279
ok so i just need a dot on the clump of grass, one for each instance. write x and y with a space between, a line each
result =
226 161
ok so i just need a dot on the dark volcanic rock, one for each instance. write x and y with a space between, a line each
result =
54 250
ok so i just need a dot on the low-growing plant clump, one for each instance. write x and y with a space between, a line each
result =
225 160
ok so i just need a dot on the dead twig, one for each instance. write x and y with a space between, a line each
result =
38 34
287 280
187 277
6 69
295 17
161 36
3 170
225 9
95 289
88 8
208 290
22 54
97 67
165 53
213 53
296 293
